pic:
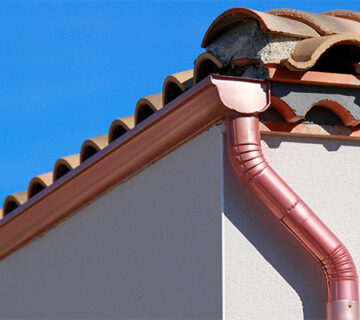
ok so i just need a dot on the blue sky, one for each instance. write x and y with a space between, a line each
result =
68 68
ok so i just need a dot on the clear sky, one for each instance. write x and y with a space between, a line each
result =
68 68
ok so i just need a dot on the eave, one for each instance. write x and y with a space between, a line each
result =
183 118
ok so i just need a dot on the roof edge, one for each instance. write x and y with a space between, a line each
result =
191 113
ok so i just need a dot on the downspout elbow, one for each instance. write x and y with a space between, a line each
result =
249 163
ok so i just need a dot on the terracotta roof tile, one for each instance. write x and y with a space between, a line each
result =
39 183
120 126
307 52
176 84
284 109
337 109
92 146
323 24
346 14
206 64
300 98
325 107
64 165
268 23
145 107
13 201
277 73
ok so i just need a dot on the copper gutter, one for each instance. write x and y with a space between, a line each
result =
194 111
294 215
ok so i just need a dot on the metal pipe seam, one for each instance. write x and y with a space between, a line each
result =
250 165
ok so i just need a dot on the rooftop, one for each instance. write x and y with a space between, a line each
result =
298 52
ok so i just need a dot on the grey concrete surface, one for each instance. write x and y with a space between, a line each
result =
246 40
300 98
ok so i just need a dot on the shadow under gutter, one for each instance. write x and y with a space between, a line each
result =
212 99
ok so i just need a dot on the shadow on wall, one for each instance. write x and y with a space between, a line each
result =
328 144
278 247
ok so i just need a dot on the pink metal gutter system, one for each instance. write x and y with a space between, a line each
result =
211 100
294 215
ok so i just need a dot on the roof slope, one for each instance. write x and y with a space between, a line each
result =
287 46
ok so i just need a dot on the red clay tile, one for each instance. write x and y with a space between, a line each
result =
346 14
285 111
308 51
176 84
120 126
280 73
147 106
13 201
39 183
339 110
324 24
268 23
314 130
206 64
64 165
93 145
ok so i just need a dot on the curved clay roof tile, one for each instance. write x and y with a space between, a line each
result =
147 106
176 84
307 52
284 109
324 24
93 145
206 64
13 201
268 23
183 79
120 126
345 14
39 183
65 164
337 109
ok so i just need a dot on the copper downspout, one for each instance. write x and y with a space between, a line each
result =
294 215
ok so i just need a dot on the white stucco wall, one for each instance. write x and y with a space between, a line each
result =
148 249
184 239
267 274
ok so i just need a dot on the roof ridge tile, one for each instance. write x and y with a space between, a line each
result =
345 14
324 24
269 23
